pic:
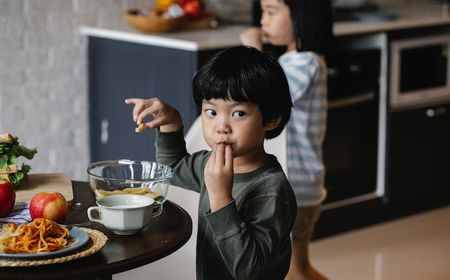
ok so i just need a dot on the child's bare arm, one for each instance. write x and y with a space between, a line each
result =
165 117
252 37
219 177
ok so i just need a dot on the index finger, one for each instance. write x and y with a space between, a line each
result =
138 104
132 100
228 157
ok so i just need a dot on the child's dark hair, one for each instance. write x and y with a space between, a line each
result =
313 24
244 74
312 21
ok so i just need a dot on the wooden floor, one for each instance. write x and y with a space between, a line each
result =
415 247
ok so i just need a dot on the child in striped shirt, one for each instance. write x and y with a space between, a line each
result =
304 27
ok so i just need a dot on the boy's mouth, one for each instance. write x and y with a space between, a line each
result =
224 143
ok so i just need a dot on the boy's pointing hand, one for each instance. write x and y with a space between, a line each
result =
165 117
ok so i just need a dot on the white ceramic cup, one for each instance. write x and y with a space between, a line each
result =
124 214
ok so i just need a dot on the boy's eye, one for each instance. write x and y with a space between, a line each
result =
210 112
238 114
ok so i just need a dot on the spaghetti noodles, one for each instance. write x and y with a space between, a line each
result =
41 235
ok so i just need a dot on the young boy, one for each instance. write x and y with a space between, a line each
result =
247 208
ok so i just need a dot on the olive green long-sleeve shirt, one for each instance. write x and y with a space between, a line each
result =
250 237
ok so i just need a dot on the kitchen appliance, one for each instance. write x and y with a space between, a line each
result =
419 70
418 119
350 148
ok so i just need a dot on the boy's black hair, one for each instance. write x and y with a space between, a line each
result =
244 74
313 24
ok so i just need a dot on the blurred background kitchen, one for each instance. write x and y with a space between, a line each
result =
46 99
43 73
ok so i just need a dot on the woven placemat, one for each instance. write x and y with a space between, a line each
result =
96 242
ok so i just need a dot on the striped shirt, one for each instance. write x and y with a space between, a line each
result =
306 73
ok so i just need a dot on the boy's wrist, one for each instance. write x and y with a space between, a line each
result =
218 202
170 127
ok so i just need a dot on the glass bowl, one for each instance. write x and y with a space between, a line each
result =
130 177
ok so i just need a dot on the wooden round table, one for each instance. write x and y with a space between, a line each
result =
166 234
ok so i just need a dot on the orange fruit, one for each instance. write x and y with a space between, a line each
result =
164 4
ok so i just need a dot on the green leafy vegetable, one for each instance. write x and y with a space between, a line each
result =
10 151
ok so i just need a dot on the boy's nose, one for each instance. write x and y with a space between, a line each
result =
223 127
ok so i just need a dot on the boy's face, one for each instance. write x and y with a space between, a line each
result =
276 23
237 124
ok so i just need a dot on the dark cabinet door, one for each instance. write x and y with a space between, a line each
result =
418 159
119 70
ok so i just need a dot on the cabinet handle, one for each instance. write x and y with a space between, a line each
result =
104 134
351 100
435 112
354 68
332 72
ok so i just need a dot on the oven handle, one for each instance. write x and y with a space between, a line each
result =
352 100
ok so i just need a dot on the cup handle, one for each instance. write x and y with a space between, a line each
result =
93 209
159 210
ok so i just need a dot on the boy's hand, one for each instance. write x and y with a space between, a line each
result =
219 176
164 116
252 37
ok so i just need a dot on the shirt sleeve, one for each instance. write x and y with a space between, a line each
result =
248 241
300 70
186 169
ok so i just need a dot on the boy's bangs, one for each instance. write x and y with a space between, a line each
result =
228 88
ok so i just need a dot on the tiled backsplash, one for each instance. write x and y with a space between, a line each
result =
43 77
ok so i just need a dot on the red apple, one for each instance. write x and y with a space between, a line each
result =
7 198
192 8
49 205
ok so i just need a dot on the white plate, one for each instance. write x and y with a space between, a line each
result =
78 239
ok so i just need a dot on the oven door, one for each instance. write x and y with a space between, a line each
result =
350 149
419 71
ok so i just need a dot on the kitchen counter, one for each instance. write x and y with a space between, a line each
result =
228 35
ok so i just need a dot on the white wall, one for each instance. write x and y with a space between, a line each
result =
43 82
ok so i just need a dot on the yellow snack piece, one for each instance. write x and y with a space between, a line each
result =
140 128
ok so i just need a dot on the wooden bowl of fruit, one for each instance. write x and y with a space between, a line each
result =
152 21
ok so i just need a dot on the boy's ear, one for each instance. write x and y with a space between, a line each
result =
272 124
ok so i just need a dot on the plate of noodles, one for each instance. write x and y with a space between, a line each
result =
41 238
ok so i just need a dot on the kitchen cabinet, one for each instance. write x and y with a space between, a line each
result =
418 155
119 70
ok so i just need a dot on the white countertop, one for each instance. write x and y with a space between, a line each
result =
227 36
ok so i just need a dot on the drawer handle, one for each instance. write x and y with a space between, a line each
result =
435 112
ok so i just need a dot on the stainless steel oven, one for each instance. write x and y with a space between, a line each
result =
351 147
419 71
